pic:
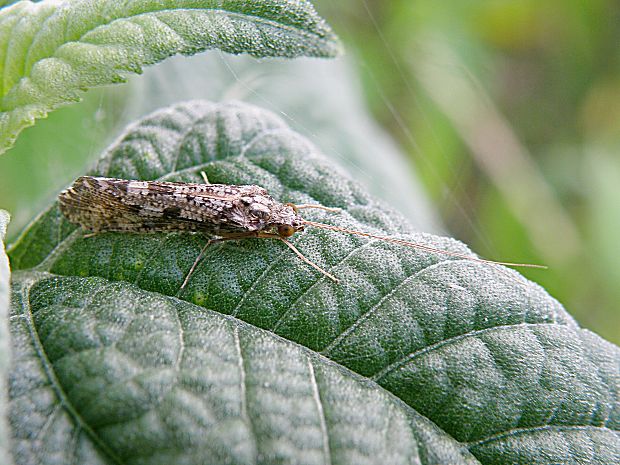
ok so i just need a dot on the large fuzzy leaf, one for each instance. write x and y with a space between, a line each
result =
4 339
54 50
412 358
109 373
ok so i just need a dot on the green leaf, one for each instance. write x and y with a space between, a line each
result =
425 357
5 273
56 50
4 3
109 373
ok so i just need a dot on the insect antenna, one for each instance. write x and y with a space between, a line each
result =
416 245
313 205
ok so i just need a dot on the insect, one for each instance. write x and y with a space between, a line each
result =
228 212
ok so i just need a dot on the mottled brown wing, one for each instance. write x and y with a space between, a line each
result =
172 189
108 204
102 204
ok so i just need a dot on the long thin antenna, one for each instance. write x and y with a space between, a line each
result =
419 246
319 207
313 205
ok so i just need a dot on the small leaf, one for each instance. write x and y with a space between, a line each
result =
56 50
462 357
4 339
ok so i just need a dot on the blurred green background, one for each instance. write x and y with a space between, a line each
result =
510 113
507 110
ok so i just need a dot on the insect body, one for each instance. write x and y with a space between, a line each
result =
227 211
107 204
230 212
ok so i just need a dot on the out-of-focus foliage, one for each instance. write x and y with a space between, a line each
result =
511 113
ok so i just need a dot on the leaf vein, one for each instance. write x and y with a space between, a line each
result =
5 54
244 395
400 362
151 257
50 14
319 405
363 317
179 359
534 429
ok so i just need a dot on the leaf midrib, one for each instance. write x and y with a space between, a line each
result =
50 373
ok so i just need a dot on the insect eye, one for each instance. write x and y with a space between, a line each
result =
286 230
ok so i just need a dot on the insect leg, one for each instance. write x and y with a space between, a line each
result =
204 177
300 255
195 264
237 236
231 237
311 263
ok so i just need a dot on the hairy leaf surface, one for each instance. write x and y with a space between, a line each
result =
52 51
412 358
